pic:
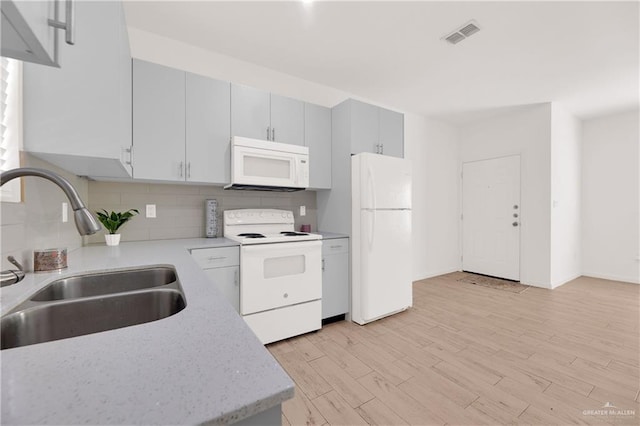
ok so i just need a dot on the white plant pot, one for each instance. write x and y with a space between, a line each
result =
112 239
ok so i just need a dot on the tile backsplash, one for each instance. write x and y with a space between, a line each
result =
180 207
36 222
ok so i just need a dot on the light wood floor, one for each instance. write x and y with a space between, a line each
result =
466 354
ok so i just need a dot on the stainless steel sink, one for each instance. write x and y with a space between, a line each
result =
97 284
92 303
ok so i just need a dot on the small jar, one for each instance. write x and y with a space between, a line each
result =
47 260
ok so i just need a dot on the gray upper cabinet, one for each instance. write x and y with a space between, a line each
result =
250 112
391 133
158 122
78 117
26 33
364 127
208 131
181 125
261 115
287 120
317 136
375 129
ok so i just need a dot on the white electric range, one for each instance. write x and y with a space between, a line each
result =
280 273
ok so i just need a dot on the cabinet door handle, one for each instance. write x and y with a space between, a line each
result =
129 152
323 264
273 133
382 148
268 133
335 247
235 277
181 169
377 149
216 258
189 170
69 26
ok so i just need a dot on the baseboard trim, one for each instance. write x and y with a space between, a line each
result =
612 277
563 281
437 274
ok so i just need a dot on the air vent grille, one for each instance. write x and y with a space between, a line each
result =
469 29
462 33
454 38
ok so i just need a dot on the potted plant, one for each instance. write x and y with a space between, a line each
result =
112 222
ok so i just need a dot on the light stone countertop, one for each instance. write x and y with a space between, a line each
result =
202 364
331 235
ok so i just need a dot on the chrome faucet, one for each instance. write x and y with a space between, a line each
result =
85 222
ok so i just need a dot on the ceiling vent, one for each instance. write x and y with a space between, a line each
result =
467 30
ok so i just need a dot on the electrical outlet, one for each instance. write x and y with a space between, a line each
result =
65 212
151 210
303 210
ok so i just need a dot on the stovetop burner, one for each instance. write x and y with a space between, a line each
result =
264 226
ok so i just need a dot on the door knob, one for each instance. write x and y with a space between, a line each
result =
515 224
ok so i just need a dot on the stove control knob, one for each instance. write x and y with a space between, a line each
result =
289 215
284 215
232 215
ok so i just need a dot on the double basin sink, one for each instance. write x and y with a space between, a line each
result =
93 302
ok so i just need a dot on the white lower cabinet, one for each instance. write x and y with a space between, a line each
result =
335 277
222 266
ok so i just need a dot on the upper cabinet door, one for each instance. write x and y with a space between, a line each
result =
250 112
208 130
364 127
158 122
391 133
26 33
317 136
287 120
79 116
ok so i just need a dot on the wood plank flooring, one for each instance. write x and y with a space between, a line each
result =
470 355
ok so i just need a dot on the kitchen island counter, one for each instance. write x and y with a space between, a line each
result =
202 364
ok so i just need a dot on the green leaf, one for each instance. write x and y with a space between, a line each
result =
114 220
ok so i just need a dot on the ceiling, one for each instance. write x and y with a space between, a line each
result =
584 55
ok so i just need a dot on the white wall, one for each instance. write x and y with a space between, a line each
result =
565 196
525 132
610 197
433 148
172 53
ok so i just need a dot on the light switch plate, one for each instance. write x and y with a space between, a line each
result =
303 210
151 210
65 212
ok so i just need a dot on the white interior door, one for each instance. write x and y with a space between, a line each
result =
491 217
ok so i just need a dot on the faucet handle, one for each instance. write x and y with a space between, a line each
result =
15 262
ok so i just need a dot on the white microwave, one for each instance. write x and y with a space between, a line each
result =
268 166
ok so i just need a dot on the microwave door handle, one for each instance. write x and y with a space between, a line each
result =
296 178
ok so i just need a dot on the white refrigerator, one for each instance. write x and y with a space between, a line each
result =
381 236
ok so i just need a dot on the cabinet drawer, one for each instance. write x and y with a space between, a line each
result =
278 324
217 257
337 246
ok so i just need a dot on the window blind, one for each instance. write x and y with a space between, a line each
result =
11 126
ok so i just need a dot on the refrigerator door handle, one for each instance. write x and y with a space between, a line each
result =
372 194
372 191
